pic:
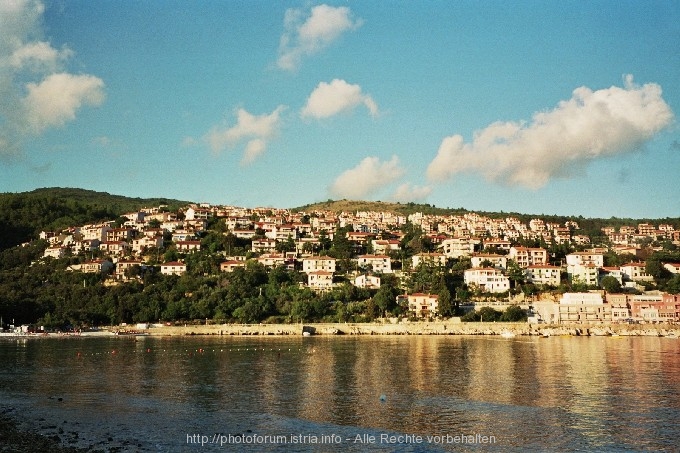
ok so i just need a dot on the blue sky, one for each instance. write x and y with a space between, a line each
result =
534 107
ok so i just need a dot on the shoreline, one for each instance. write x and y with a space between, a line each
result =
19 440
387 328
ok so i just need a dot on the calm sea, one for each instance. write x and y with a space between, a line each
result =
416 393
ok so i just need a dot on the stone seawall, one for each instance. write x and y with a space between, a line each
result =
421 328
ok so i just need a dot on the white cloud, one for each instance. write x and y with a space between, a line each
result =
55 100
329 99
36 91
255 130
406 192
589 126
305 36
367 177
39 55
254 148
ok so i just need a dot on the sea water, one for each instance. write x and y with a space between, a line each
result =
347 393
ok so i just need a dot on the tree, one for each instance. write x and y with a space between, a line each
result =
341 248
673 285
445 305
286 246
484 314
386 298
655 268
514 314
610 284
515 273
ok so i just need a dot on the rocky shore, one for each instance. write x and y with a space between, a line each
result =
422 328
15 440
445 327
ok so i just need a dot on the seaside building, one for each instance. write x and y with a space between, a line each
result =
423 305
583 307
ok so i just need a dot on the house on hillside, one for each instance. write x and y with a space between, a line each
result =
320 281
377 263
318 263
173 268
367 281
487 279
544 275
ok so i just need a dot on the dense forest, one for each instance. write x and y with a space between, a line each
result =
24 215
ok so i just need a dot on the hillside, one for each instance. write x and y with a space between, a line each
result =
589 226
397 208
410 208
24 215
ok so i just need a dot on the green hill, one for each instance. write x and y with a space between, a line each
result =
24 215
397 208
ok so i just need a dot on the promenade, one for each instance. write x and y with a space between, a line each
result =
422 328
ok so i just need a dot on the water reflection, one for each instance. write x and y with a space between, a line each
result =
530 393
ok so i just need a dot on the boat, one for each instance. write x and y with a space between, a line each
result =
508 334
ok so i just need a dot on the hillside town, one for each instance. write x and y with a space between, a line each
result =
498 269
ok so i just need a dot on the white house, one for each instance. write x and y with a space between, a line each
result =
587 273
543 275
367 281
498 244
583 307
378 263
423 305
95 231
487 279
673 268
55 252
458 247
320 280
123 265
636 272
229 266
318 263
263 245
92 267
173 268
584 258
188 246
272 259
497 261
526 256
147 242
385 246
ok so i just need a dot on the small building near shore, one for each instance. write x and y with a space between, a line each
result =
583 307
